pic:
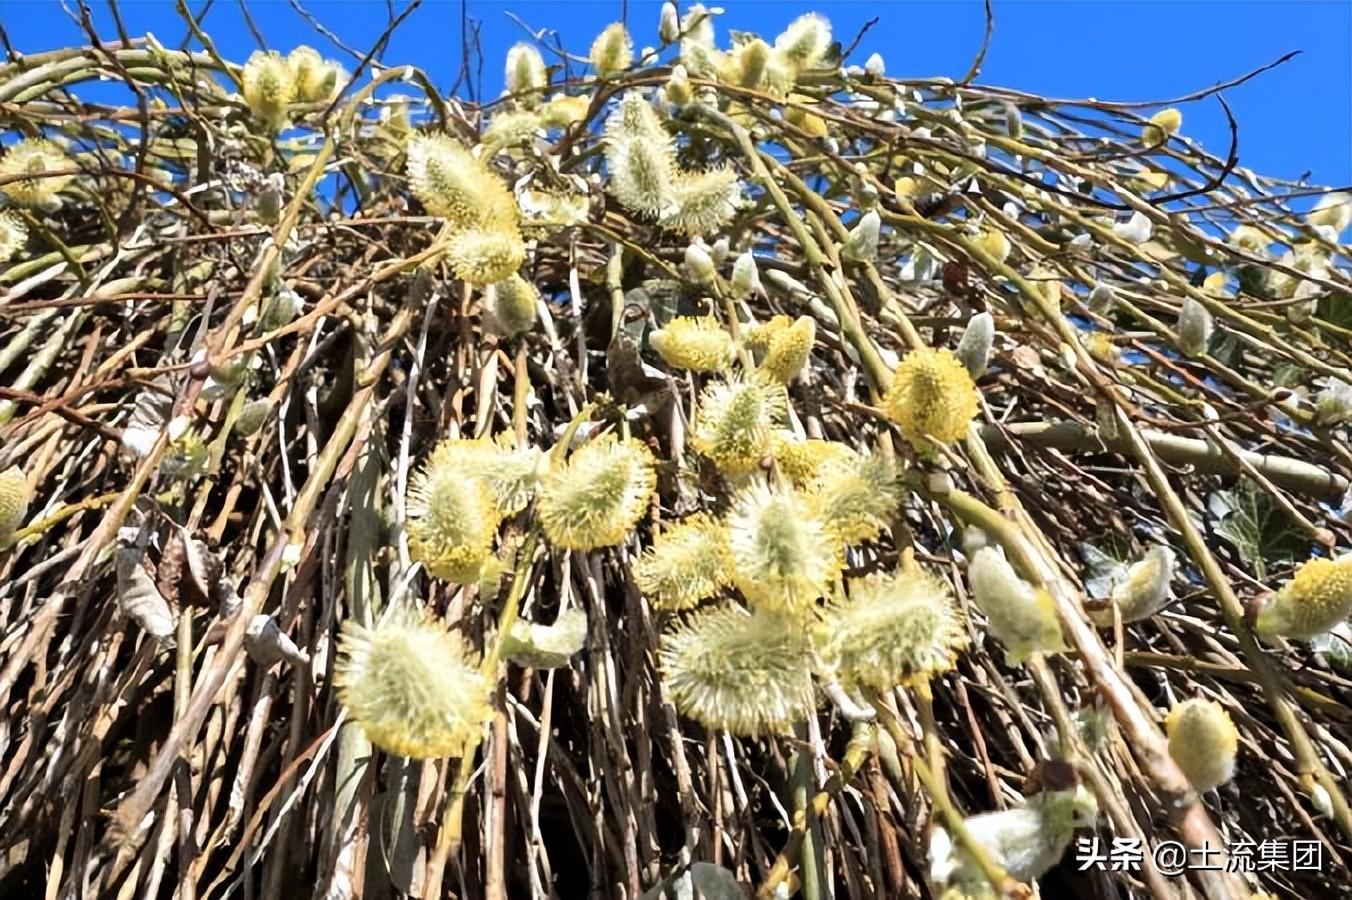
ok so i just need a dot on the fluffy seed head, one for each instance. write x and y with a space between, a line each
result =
782 553
612 51
686 565
268 86
413 687
734 420
1161 125
452 515
34 156
787 350
482 257
1022 617
452 183
1203 741
743 673
932 394
698 343
513 306
596 497
1317 598
702 202
13 235
805 42
856 497
894 629
13 502
525 74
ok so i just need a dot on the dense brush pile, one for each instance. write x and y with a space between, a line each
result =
720 466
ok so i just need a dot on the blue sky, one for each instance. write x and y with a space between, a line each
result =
1295 119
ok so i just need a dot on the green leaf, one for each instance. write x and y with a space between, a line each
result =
1257 527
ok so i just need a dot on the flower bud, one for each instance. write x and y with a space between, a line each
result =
1161 125
1203 742
745 277
13 502
699 265
525 74
974 348
669 24
862 242
1195 326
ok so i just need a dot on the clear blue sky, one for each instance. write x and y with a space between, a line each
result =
1295 119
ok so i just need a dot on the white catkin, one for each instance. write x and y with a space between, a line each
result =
974 349
1195 326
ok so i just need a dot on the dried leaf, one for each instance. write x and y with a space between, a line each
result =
138 598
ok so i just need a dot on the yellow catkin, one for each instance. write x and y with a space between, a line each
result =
686 565
798 115
994 244
783 556
734 421
746 674
452 517
612 52
13 235
894 629
13 502
598 495
697 343
1203 742
933 395
1161 125
788 349
269 87
414 688
33 157
1317 598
